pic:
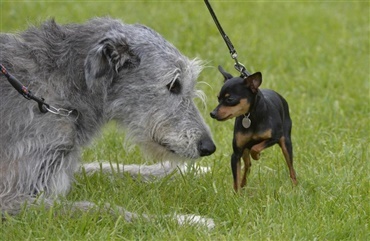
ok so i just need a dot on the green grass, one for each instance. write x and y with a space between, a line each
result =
316 54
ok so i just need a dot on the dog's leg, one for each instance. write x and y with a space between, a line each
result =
83 206
115 211
247 165
195 220
287 149
256 149
146 172
189 219
21 202
235 168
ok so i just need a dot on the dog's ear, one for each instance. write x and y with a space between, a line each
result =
224 73
108 57
253 81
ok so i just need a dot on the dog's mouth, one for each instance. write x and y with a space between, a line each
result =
167 147
215 115
159 151
188 146
172 153
226 118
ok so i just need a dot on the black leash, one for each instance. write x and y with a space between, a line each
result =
26 93
238 66
43 107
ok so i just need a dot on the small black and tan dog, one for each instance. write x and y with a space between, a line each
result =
262 120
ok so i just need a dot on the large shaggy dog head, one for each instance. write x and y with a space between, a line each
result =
150 88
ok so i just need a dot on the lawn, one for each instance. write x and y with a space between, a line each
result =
315 53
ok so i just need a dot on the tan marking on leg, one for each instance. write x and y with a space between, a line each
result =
247 165
288 160
256 149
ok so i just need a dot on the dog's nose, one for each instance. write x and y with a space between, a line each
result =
206 147
213 114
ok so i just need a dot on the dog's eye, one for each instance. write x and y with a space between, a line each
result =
229 100
174 87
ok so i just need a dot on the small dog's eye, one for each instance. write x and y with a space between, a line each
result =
229 100
174 87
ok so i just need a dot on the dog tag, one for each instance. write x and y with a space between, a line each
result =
246 122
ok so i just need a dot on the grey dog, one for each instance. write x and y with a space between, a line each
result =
100 71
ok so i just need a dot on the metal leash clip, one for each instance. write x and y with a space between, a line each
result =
43 107
241 68
62 111
238 66
59 111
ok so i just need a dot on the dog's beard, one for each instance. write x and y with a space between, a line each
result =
164 147
159 152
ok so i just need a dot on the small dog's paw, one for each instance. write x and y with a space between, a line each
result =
195 220
255 155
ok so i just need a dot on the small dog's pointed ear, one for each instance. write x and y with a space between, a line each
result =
224 73
108 57
253 81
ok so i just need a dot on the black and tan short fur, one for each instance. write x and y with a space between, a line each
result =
270 122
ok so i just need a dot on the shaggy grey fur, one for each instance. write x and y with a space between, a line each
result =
105 70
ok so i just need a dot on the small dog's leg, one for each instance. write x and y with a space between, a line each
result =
256 149
286 147
235 168
247 165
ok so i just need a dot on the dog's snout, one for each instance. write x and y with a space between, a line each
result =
206 147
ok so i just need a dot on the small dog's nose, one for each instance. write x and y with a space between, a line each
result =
213 114
206 147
